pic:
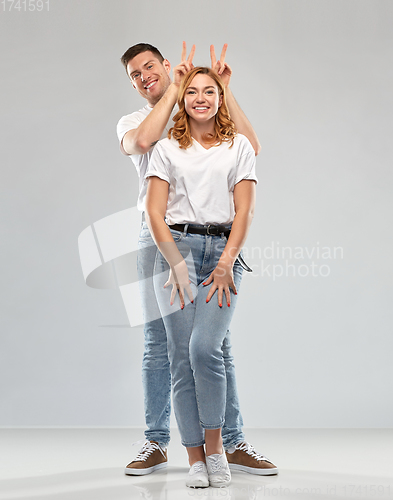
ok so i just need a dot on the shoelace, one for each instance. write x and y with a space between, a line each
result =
215 464
250 450
198 467
146 450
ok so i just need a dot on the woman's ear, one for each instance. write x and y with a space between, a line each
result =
220 101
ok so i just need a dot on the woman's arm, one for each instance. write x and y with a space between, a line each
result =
156 203
222 276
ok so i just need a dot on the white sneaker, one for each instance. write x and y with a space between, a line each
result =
197 476
218 470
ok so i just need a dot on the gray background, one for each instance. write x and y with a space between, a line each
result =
315 79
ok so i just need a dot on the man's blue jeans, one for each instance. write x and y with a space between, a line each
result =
156 375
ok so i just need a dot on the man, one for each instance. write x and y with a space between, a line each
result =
138 133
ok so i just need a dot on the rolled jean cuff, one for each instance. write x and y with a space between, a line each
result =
212 426
194 445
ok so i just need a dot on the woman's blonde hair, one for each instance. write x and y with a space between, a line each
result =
224 127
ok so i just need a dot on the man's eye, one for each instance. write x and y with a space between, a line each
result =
135 76
149 67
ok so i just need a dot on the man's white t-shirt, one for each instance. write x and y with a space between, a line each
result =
130 122
201 181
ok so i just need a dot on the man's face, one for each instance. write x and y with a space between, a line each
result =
149 76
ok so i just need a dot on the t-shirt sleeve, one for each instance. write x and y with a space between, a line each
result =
245 169
159 164
126 123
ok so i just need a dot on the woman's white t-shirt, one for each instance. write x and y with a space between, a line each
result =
201 181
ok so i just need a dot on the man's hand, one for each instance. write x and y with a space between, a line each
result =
185 65
221 67
179 279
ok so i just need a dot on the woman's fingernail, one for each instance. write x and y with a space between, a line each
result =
182 306
220 305
204 283
207 300
229 305
192 302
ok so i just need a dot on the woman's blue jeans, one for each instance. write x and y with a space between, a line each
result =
156 376
195 338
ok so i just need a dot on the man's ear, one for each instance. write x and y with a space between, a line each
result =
167 65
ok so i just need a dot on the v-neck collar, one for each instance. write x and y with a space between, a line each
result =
200 145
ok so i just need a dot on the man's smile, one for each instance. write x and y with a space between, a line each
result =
151 84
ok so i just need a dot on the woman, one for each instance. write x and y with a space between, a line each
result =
202 182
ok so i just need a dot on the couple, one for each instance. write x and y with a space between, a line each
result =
197 189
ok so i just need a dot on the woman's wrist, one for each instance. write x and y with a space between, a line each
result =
226 261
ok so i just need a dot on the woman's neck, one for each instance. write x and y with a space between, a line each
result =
201 130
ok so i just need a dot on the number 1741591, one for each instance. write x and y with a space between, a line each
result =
25 5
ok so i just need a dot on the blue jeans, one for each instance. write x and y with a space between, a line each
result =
156 377
198 342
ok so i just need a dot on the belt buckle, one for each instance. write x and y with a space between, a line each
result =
208 230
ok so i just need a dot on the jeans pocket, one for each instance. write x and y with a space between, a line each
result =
176 235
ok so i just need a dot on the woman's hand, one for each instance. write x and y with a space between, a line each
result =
185 65
222 279
179 279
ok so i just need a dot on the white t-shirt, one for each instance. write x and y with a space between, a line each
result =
201 181
130 122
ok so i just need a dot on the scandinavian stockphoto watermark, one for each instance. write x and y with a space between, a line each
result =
283 261
108 252
25 5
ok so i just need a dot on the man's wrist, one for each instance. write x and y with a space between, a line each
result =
170 95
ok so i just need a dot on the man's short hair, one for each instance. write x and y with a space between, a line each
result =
138 49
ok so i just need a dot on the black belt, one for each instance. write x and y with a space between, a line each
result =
211 230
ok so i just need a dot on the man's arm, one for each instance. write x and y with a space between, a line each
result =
241 121
141 139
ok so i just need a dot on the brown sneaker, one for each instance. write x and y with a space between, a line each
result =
244 457
151 457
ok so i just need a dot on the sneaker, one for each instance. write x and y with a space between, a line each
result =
244 457
151 457
197 476
218 470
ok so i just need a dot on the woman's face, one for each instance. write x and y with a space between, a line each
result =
202 98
